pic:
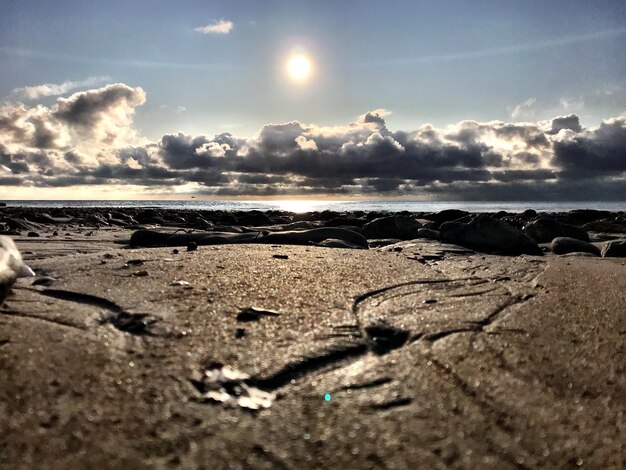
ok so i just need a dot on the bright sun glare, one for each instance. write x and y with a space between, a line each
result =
299 67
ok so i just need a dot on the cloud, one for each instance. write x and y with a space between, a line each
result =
525 110
55 89
89 138
104 114
216 27
570 122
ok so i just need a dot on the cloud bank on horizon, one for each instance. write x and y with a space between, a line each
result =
89 139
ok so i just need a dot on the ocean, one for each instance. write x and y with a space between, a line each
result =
304 205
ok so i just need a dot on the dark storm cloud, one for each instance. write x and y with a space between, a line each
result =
88 139
570 122
603 150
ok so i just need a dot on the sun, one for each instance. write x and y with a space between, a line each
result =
299 67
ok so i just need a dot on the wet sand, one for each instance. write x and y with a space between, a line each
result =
418 354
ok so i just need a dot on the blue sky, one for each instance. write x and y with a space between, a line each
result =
95 95
427 61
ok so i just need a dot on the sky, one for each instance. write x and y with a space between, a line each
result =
448 99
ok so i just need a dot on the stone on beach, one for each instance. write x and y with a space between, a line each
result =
489 235
428 233
614 249
544 230
152 238
565 245
396 226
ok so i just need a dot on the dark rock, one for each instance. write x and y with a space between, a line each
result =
604 226
135 262
584 216
447 215
254 219
227 219
344 221
429 234
192 246
431 225
280 256
489 235
564 245
328 215
396 226
529 213
20 224
544 230
603 236
615 249
515 221
33 234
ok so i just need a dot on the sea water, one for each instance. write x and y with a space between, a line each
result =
308 205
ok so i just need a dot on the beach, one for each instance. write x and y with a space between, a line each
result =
156 338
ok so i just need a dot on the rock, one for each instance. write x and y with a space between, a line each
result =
583 216
564 245
395 226
344 221
447 215
544 230
428 233
489 235
253 218
151 238
615 249
604 226
529 213
33 234
602 236
192 246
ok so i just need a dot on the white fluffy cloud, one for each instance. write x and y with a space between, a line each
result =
525 110
216 27
55 89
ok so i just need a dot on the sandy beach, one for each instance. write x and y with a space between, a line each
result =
217 351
